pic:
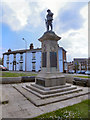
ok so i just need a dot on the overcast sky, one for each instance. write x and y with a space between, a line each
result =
25 18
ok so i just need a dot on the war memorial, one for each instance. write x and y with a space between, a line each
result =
50 85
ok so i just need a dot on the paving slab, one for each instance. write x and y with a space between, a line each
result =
4 98
20 107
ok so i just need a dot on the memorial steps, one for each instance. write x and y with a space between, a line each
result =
46 93
40 96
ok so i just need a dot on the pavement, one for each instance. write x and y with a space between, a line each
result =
19 106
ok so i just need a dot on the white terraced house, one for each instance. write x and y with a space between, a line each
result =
30 59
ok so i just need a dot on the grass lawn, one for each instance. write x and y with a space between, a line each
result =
80 110
83 76
10 74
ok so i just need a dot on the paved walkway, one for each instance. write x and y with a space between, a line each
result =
20 107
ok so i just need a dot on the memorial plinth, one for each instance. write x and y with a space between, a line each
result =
50 85
50 75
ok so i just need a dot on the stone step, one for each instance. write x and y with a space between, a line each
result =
52 95
48 91
37 101
28 95
50 88
50 100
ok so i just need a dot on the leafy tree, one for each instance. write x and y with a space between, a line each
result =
76 66
0 61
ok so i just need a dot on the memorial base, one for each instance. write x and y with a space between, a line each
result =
49 79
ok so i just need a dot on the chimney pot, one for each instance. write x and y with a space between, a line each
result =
31 46
9 50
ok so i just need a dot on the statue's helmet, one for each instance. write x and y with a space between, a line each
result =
48 10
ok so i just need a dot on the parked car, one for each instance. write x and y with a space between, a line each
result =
82 72
87 72
71 71
78 72
2 68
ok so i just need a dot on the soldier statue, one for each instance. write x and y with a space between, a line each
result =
49 19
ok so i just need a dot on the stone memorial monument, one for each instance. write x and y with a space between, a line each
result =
50 82
50 75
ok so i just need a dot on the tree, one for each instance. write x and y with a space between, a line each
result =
0 61
76 66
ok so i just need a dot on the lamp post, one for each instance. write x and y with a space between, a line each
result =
25 53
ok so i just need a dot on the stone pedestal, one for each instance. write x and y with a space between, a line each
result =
50 86
50 79
50 75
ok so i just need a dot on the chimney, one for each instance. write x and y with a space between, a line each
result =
31 46
9 50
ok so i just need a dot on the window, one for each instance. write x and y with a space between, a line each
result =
21 66
21 57
83 67
8 65
33 56
14 57
33 66
7 57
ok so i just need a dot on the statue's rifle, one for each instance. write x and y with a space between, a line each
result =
46 22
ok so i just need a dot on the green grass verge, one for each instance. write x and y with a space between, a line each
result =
10 74
83 76
80 110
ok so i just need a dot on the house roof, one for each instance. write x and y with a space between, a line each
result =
21 51
26 50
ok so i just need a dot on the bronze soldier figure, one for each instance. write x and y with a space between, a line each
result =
49 19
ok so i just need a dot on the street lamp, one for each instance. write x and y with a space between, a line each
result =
25 53
25 43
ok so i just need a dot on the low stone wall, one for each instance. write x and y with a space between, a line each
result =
79 81
9 80
28 79
12 80
69 78
82 81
